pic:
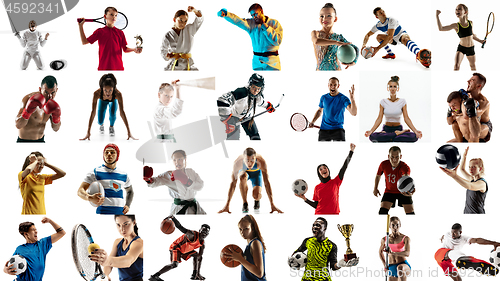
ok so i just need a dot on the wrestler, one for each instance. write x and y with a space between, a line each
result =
463 28
394 34
30 41
266 35
183 248
250 166
334 104
168 108
36 109
399 249
393 169
111 41
115 183
326 194
178 41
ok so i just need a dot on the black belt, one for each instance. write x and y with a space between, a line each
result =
266 54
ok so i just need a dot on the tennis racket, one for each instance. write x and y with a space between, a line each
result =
80 241
259 114
121 21
299 122
489 26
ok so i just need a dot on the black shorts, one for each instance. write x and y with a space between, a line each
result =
392 197
42 139
331 135
468 51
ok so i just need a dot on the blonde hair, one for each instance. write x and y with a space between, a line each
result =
480 163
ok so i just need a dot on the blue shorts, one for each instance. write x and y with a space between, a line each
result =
393 268
255 177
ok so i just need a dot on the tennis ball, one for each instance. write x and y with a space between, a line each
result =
92 247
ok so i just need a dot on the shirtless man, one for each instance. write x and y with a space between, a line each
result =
37 108
250 166
471 111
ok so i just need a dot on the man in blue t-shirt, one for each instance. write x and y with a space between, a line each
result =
34 250
334 105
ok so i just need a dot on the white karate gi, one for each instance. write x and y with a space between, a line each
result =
163 116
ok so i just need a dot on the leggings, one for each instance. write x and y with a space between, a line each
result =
101 111
389 135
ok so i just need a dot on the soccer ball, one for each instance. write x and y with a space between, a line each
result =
367 52
299 187
406 184
19 263
297 260
95 187
495 257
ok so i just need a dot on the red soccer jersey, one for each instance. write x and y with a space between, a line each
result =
183 245
327 196
111 42
392 175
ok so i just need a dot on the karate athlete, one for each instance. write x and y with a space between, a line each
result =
114 182
168 108
183 184
30 41
183 248
178 41
239 105
266 35
394 34
36 109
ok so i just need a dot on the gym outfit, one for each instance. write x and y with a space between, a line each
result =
247 275
183 248
392 113
136 270
397 247
111 42
332 121
41 140
35 255
319 255
33 192
392 175
465 32
254 174
163 116
474 200
327 55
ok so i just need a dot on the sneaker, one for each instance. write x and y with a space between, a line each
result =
245 208
256 205
478 265
101 129
389 56
155 278
112 131
424 57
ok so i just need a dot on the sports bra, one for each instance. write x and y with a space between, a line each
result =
464 31
399 247
393 110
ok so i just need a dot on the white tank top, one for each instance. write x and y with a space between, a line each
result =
393 110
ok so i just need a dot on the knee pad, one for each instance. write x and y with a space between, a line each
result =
383 211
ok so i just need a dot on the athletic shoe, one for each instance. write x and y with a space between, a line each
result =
256 206
101 129
424 57
112 131
155 278
478 265
389 56
245 208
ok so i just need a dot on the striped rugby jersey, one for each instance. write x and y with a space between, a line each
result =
390 23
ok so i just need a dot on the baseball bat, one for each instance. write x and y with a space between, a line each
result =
204 83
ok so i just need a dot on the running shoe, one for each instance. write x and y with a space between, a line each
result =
101 129
389 56
112 131
245 207
424 57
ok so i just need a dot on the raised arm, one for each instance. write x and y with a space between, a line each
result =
30 167
119 98
234 19
346 162
445 28
464 172
378 121
189 233
59 172
409 123
95 99
352 108
82 32
482 241
474 186
59 230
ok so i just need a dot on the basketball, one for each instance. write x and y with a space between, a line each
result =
406 184
227 261
346 54
367 52
448 157
167 226
95 187
19 263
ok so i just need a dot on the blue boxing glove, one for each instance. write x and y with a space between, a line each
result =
464 94
222 13
470 106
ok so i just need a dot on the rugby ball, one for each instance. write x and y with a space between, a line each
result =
367 52
95 187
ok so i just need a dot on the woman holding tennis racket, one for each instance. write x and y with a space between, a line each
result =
107 97
396 264
178 41
127 252
463 28
393 107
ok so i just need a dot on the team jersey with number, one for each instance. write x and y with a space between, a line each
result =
392 175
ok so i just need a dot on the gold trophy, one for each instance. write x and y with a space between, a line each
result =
346 231
138 41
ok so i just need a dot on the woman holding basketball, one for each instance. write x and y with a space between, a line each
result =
398 251
178 41
32 183
463 28
393 107
326 42
127 252
107 97
253 259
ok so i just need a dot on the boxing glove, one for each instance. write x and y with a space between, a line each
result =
147 174
464 94
51 107
182 177
36 100
470 107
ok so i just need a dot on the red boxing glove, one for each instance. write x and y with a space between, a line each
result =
147 174
51 107
36 100
270 108
182 177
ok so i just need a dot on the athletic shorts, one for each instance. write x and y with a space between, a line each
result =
331 135
468 51
42 139
445 264
393 268
397 38
177 255
255 177
392 197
